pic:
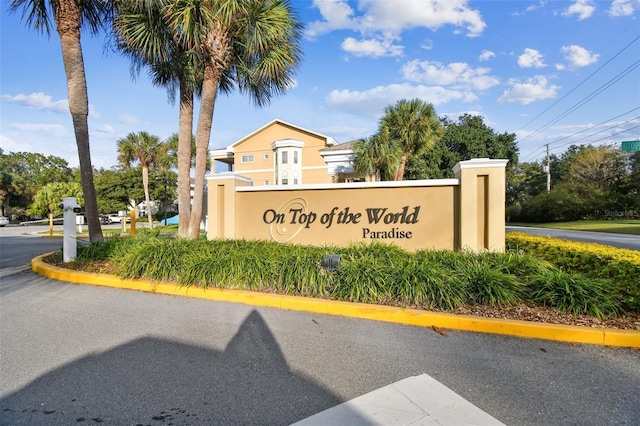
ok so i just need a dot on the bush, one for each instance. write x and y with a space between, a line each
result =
620 266
574 293
368 273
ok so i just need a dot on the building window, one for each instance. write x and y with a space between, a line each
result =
285 157
295 157
247 158
285 181
266 156
295 181
266 182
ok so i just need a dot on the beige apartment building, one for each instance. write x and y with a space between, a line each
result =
281 153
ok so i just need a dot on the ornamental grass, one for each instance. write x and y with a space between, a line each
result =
368 273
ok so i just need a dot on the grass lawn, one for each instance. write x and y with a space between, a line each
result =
614 226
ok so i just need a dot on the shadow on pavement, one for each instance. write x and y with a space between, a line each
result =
156 381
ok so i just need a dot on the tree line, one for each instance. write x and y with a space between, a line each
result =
33 184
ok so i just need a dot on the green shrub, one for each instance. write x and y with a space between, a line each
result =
620 266
574 293
376 273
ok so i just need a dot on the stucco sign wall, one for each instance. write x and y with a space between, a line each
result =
411 214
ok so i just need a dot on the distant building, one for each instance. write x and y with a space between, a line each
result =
280 153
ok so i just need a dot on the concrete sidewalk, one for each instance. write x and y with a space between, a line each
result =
418 400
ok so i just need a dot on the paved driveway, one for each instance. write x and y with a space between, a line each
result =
627 241
75 354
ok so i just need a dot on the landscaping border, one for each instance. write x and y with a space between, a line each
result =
415 317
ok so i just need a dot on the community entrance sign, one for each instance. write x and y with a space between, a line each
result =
467 212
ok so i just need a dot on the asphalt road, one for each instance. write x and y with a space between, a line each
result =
615 240
76 354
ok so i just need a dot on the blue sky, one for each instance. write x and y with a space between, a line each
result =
556 72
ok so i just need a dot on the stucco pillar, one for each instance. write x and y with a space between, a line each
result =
481 206
221 203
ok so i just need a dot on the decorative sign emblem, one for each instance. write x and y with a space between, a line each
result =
279 229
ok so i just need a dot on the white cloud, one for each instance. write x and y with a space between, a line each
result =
128 119
54 130
40 101
486 55
373 101
531 8
337 14
378 22
104 130
43 102
459 75
583 8
579 56
374 48
395 16
623 7
531 58
533 89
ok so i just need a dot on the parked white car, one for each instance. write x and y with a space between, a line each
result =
116 218
4 221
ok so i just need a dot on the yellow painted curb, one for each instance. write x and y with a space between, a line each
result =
416 317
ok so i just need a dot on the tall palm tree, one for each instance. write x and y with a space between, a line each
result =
252 45
70 17
145 149
414 124
142 33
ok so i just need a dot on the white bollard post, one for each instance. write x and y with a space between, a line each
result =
69 243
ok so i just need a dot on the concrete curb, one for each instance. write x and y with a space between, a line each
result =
416 317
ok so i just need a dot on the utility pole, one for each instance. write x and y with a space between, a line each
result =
548 170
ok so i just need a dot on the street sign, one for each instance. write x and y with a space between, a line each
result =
631 145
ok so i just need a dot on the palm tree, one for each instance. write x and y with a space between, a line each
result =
70 17
142 32
414 124
377 157
147 150
252 45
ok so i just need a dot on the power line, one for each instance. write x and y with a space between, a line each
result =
581 83
586 99
585 130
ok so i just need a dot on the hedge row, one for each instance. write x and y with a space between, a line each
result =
621 266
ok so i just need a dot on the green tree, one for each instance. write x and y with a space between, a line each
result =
470 137
48 199
24 174
118 188
145 149
377 157
414 124
70 17
252 45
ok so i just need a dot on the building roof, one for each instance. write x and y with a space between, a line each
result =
346 146
230 148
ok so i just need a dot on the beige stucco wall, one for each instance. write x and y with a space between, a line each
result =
417 217
462 213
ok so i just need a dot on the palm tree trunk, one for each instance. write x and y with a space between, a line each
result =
400 172
67 14
185 133
203 133
147 198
